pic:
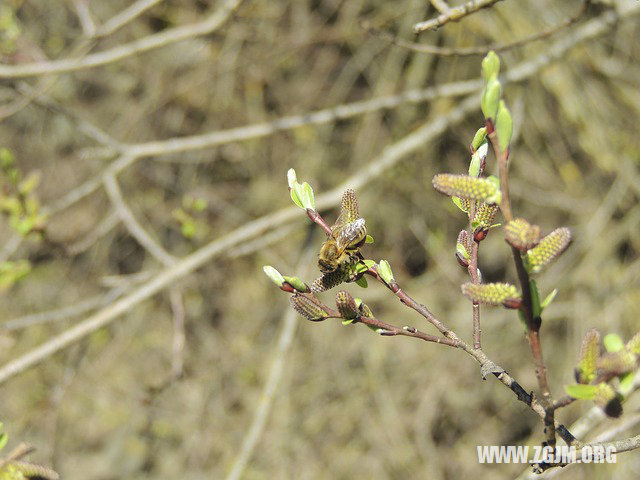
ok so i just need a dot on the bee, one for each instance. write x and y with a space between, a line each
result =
348 234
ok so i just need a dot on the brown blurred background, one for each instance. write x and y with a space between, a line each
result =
130 401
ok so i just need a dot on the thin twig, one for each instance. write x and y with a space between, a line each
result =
151 42
487 366
125 16
84 16
134 228
64 313
475 307
453 15
480 49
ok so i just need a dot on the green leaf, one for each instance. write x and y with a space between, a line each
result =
362 282
301 194
4 438
504 126
291 178
294 197
460 204
491 99
384 270
613 343
490 66
309 199
368 239
535 298
347 322
275 276
548 299
363 266
626 383
577 391
462 250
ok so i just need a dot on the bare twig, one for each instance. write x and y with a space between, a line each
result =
84 16
453 14
157 40
105 225
125 16
480 49
63 313
441 6
473 273
134 228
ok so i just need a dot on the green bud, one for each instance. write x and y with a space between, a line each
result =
301 194
490 66
296 283
479 138
504 126
291 178
274 275
613 343
491 99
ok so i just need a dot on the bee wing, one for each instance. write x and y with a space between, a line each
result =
348 209
349 233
